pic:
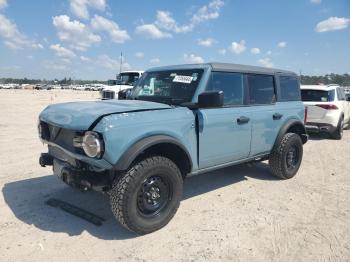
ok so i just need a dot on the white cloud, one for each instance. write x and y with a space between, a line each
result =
207 12
111 64
117 35
155 61
56 65
75 33
222 51
139 55
206 42
255 51
152 31
3 4
85 59
316 1
238 48
332 24
282 44
80 7
193 59
62 51
269 52
165 24
266 62
13 38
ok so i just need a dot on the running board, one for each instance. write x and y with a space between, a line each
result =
76 211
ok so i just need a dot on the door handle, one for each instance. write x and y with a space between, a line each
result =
277 116
243 120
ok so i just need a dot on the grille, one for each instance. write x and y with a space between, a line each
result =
106 94
60 136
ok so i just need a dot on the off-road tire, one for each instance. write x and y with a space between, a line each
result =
338 133
124 195
278 156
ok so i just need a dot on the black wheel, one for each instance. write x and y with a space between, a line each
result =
338 133
285 158
148 195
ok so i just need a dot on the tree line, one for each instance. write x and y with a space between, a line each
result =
342 80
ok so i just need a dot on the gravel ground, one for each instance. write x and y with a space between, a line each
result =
239 213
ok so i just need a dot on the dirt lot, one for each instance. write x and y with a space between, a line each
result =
238 214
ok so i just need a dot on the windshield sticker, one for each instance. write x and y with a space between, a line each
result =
183 79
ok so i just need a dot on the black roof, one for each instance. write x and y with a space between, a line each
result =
246 68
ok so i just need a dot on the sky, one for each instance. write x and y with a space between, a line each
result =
83 39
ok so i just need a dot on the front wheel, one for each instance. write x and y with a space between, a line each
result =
148 195
285 158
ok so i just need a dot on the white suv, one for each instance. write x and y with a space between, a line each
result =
327 109
125 80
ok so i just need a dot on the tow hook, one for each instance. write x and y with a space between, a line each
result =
45 160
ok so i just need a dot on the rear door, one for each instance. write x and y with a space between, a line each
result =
344 103
225 133
265 116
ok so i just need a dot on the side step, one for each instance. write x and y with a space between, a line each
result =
76 211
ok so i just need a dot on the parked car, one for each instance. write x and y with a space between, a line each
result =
181 121
125 80
328 109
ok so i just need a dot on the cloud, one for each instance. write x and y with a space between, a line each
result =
255 51
13 38
62 51
80 7
155 61
85 59
139 55
193 59
332 24
222 51
269 52
206 42
165 24
282 44
151 31
75 33
99 23
266 62
111 64
3 4
238 48
316 1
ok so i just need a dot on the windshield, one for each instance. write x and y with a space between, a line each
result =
309 95
170 87
127 79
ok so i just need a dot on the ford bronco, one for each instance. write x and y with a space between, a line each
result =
178 121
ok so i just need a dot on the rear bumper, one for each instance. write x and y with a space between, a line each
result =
319 127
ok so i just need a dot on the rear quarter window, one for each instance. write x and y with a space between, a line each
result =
289 88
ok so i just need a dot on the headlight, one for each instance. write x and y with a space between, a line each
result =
92 144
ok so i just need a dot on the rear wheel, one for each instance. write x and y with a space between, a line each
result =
285 158
148 195
338 133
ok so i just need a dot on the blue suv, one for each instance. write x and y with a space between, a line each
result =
177 121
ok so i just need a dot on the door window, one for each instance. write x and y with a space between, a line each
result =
261 89
232 84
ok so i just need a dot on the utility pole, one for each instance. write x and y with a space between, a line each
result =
121 62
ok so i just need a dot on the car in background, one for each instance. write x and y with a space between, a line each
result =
125 80
328 109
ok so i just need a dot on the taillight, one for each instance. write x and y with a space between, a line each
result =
305 115
328 107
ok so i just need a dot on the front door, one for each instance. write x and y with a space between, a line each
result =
225 133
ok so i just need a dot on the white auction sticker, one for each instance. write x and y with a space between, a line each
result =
183 79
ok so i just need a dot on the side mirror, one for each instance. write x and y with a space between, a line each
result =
211 99
348 98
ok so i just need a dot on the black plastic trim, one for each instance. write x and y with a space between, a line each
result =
288 125
135 150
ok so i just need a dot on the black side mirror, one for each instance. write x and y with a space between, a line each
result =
348 98
211 99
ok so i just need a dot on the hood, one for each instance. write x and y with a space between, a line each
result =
81 115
